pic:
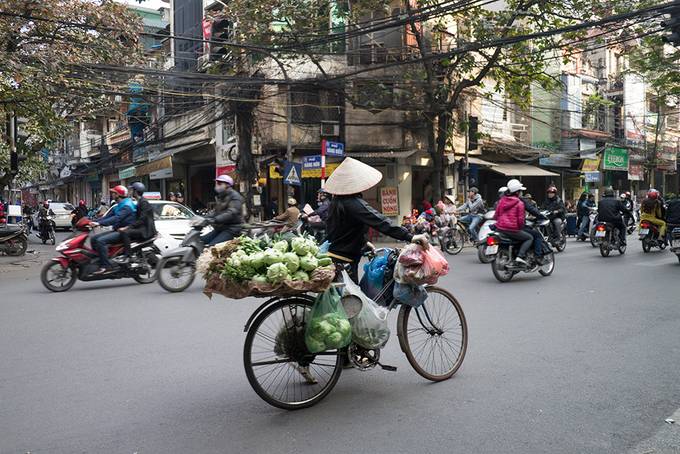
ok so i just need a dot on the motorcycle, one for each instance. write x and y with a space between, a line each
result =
484 232
77 261
177 268
503 251
675 241
649 235
13 239
46 229
558 240
607 237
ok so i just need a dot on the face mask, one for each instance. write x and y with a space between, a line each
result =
220 188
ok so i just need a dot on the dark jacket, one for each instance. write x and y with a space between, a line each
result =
122 214
555 204
610 209
144 222
531 207
78 213
673 211
227 214
583 208
322 210
348 222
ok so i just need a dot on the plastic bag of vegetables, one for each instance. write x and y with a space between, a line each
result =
369 325
328 327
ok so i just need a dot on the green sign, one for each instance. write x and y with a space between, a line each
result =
615 158
126 173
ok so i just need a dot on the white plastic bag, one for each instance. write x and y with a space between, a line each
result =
369 325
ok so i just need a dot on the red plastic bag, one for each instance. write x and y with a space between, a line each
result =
434 265
417 266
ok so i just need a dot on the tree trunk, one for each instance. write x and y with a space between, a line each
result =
443 126
436 163
247 170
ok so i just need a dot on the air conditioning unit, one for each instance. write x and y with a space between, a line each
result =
330 128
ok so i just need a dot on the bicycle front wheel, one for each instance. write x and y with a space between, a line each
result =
434 336
278 365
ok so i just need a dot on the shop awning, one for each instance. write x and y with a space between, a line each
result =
522 170
154 166
381 154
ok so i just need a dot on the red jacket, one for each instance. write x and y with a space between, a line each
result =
510 214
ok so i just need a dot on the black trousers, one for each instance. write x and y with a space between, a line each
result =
618 223
131 234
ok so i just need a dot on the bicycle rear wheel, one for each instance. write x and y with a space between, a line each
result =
434 336
277 363
454 241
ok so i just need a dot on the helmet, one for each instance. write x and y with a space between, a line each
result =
81 203
225 179
622 195
171 194
502 189
119 190
292 202
628 194
653 194
515 186
46 204
138 187
474 190
179 194
552 190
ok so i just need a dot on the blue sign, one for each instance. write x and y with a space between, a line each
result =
335 149
311 162
292 174
592 177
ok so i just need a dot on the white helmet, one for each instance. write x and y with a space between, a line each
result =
515 186
502 189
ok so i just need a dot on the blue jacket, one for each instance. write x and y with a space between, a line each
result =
122 214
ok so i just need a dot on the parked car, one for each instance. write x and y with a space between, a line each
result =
173 222
62 215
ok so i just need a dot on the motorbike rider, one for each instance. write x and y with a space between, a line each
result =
585 203
291 216
510 218
122 214
78 212
350 216
531 208
557 212
652 210
144 226
628 202
610 210
474 206
673 212
317 218
501 192
227 215
43 222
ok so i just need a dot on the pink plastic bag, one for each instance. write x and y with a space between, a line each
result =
417 266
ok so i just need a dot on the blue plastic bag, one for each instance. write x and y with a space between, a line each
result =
373 280
411 295
323 248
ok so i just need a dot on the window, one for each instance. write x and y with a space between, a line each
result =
312 104
374 96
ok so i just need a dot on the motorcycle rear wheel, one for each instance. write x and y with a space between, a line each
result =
16 247
499 266
548 268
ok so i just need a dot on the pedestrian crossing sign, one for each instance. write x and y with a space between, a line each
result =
293 174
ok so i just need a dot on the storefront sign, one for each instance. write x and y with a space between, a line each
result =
293 174
223 155
635 154
126 173
316 173
154 166
274 173
65 172
389 201
555 160
590 165
636 172
592 177
311 162
160 174
615 158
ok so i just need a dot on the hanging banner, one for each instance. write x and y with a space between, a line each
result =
615 158
592 177
389 201
636 172
590 165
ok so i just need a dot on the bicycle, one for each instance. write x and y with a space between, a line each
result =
286 375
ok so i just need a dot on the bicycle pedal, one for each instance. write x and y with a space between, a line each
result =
387 368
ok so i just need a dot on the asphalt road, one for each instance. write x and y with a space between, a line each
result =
584 361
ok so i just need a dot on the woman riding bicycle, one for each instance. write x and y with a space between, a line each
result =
350 216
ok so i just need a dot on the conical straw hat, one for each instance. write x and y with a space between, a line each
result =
352 177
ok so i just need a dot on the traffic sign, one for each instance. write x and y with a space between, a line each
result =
293 173
335 149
